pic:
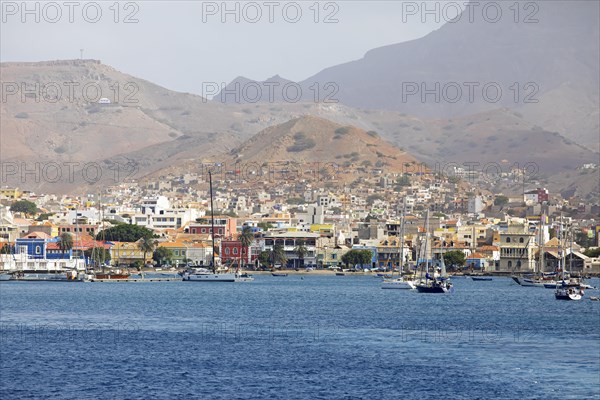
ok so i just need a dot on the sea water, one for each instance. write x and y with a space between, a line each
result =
295 337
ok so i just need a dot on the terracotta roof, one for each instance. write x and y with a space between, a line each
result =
36 235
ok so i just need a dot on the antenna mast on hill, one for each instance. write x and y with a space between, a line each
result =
81 54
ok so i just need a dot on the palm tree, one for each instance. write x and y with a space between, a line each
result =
65 242
246 238
146 245
301 250
279 254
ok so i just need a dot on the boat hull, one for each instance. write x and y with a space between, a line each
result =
227 277
568 294
5 277
107 277
397 284
480 278
434 287
533 282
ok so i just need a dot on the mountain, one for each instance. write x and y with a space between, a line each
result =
243 90
537 68
310 139
164 130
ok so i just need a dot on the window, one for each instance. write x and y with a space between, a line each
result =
507 240
521 240
38 250
235 251
510 264
227 251
519 264
203 230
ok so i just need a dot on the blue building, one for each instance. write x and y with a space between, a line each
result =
38 245
373 250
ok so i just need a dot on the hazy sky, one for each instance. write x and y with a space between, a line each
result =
182 44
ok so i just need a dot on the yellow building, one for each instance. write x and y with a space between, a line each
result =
127 253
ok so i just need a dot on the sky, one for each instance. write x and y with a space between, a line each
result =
183 44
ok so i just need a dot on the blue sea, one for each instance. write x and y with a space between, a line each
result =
309 337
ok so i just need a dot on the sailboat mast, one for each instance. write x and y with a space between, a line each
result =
212 221
401 264
426 243
542 256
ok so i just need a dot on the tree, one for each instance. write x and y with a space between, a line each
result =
264 257
374 197
357 257
146 245
65 242
162 255
279 254
265 226
6 249
246 238
583 239
44 216
24 206
125 233
592 252
301 250
403 181
500 200
454 258
97 254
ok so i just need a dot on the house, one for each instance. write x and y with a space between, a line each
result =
389 252
517 250
224 226
478 261
290 241
126 253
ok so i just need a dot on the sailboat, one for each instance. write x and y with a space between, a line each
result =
439 282
567 289
399 282
215 274
538 278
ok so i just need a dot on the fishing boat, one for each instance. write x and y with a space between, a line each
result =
279 274
595 298
112 275
400 282
215 274
439 282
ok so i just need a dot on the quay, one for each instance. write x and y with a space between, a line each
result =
137 280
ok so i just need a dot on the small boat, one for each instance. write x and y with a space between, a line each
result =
279 274
340 274
481 278
5 276
568 293
111 276
595 298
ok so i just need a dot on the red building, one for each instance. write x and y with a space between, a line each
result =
230 252
225 227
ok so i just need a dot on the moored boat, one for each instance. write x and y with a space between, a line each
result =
398 283
568 293
481 278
